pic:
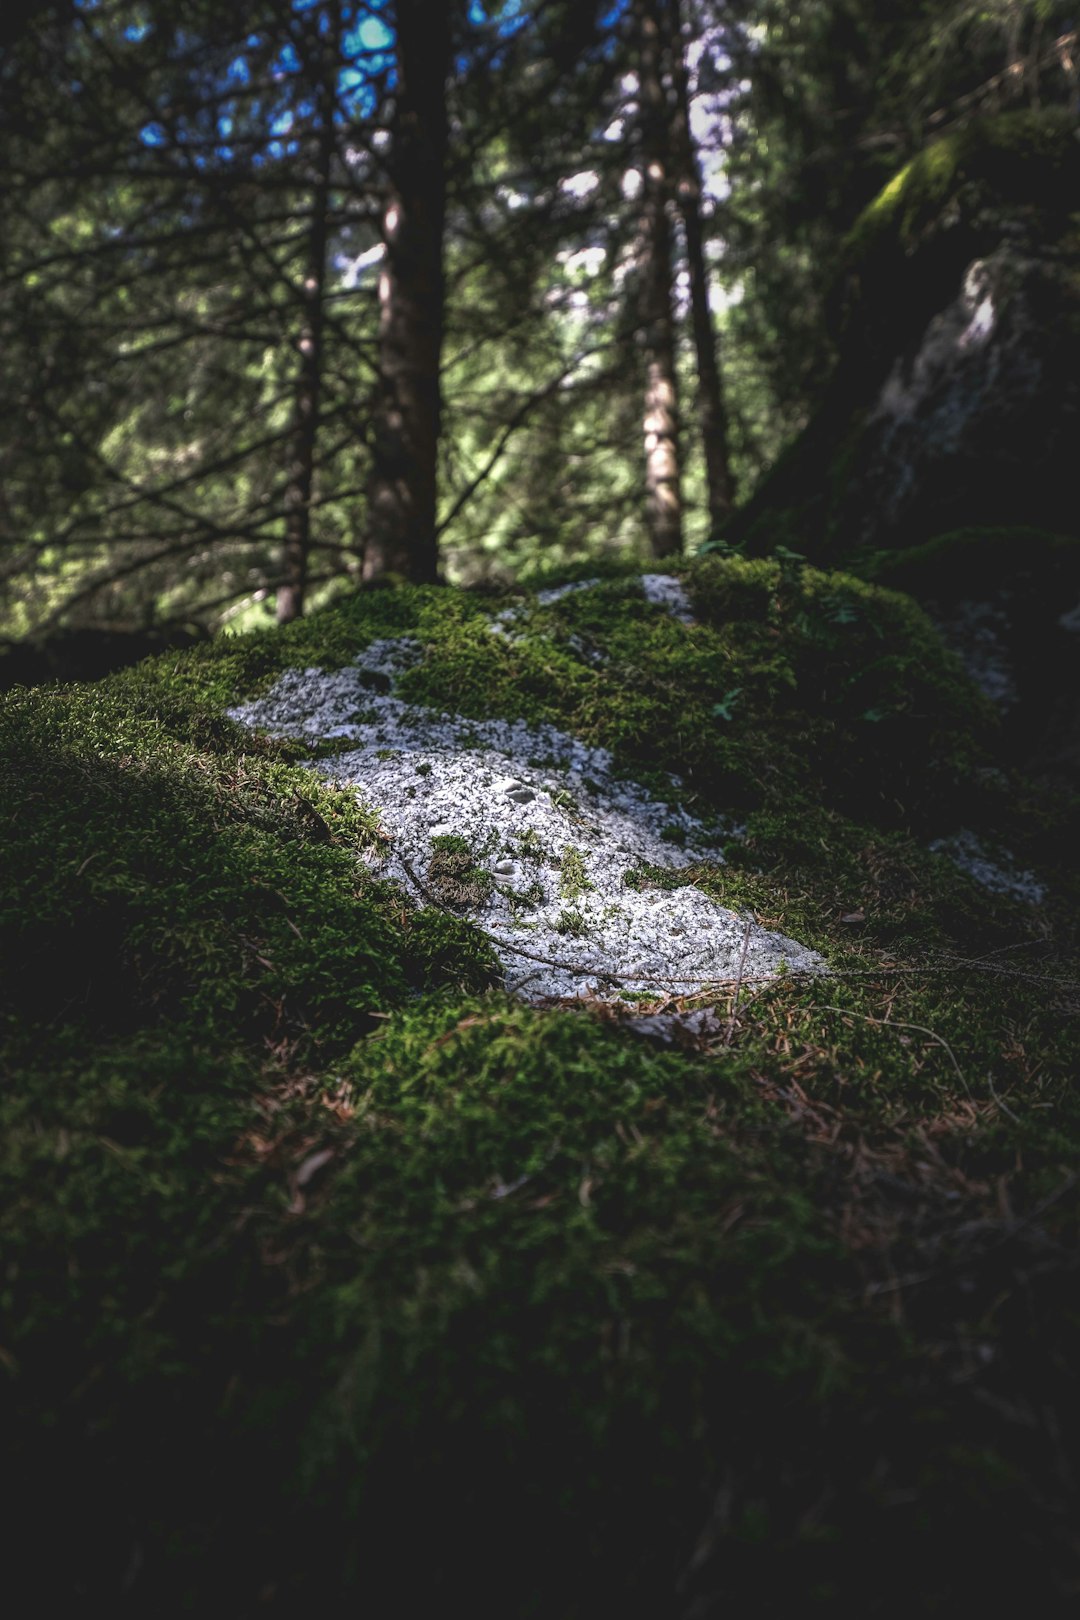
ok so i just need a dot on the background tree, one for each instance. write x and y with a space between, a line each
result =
663 493
408 409
320 65
712 412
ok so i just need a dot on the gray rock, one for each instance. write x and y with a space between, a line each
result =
541 809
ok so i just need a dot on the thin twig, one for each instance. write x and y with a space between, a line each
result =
958 1262
1002 1107
765 980
730 1036
899 1023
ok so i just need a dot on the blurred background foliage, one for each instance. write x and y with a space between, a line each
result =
187 187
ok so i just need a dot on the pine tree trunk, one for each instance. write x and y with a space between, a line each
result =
712 414
663 493
297 549
401 538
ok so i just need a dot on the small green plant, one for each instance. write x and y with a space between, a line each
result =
571 922
450 844
573 878
565 800
526 899
724 709
716 546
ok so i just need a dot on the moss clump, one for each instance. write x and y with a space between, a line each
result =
842 687
453 875
573 877
549 1291
1022 158
446 950
150 879
571 923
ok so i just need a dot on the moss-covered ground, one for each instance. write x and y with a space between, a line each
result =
334 1280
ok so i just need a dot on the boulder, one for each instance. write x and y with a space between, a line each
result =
948 435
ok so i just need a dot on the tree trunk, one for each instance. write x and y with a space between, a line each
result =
297 549
663 494
712 414
401 539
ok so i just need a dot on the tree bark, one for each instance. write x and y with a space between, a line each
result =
712 414
663 491
401 539
297 549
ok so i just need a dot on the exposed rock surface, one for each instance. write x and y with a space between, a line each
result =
529 833
996 872
975 421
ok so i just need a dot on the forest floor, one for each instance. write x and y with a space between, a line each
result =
334 1273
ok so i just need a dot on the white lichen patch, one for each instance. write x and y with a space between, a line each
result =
998 873
530 834
979 633
555 593
664 591
669 593
500 624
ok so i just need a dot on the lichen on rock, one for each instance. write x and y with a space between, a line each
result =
509 822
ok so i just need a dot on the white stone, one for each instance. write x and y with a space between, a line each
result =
523 798
667 592
999 873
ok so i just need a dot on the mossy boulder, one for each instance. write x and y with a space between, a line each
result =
335 1277
948 434
957 313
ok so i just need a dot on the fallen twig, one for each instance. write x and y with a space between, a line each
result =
730 1036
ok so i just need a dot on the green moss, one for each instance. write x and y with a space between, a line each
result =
450 844
152 879
573 878
841 687
839 684
571 923
1026 158
529 846
380 1267
446 950
912 196
946 566
537 1240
